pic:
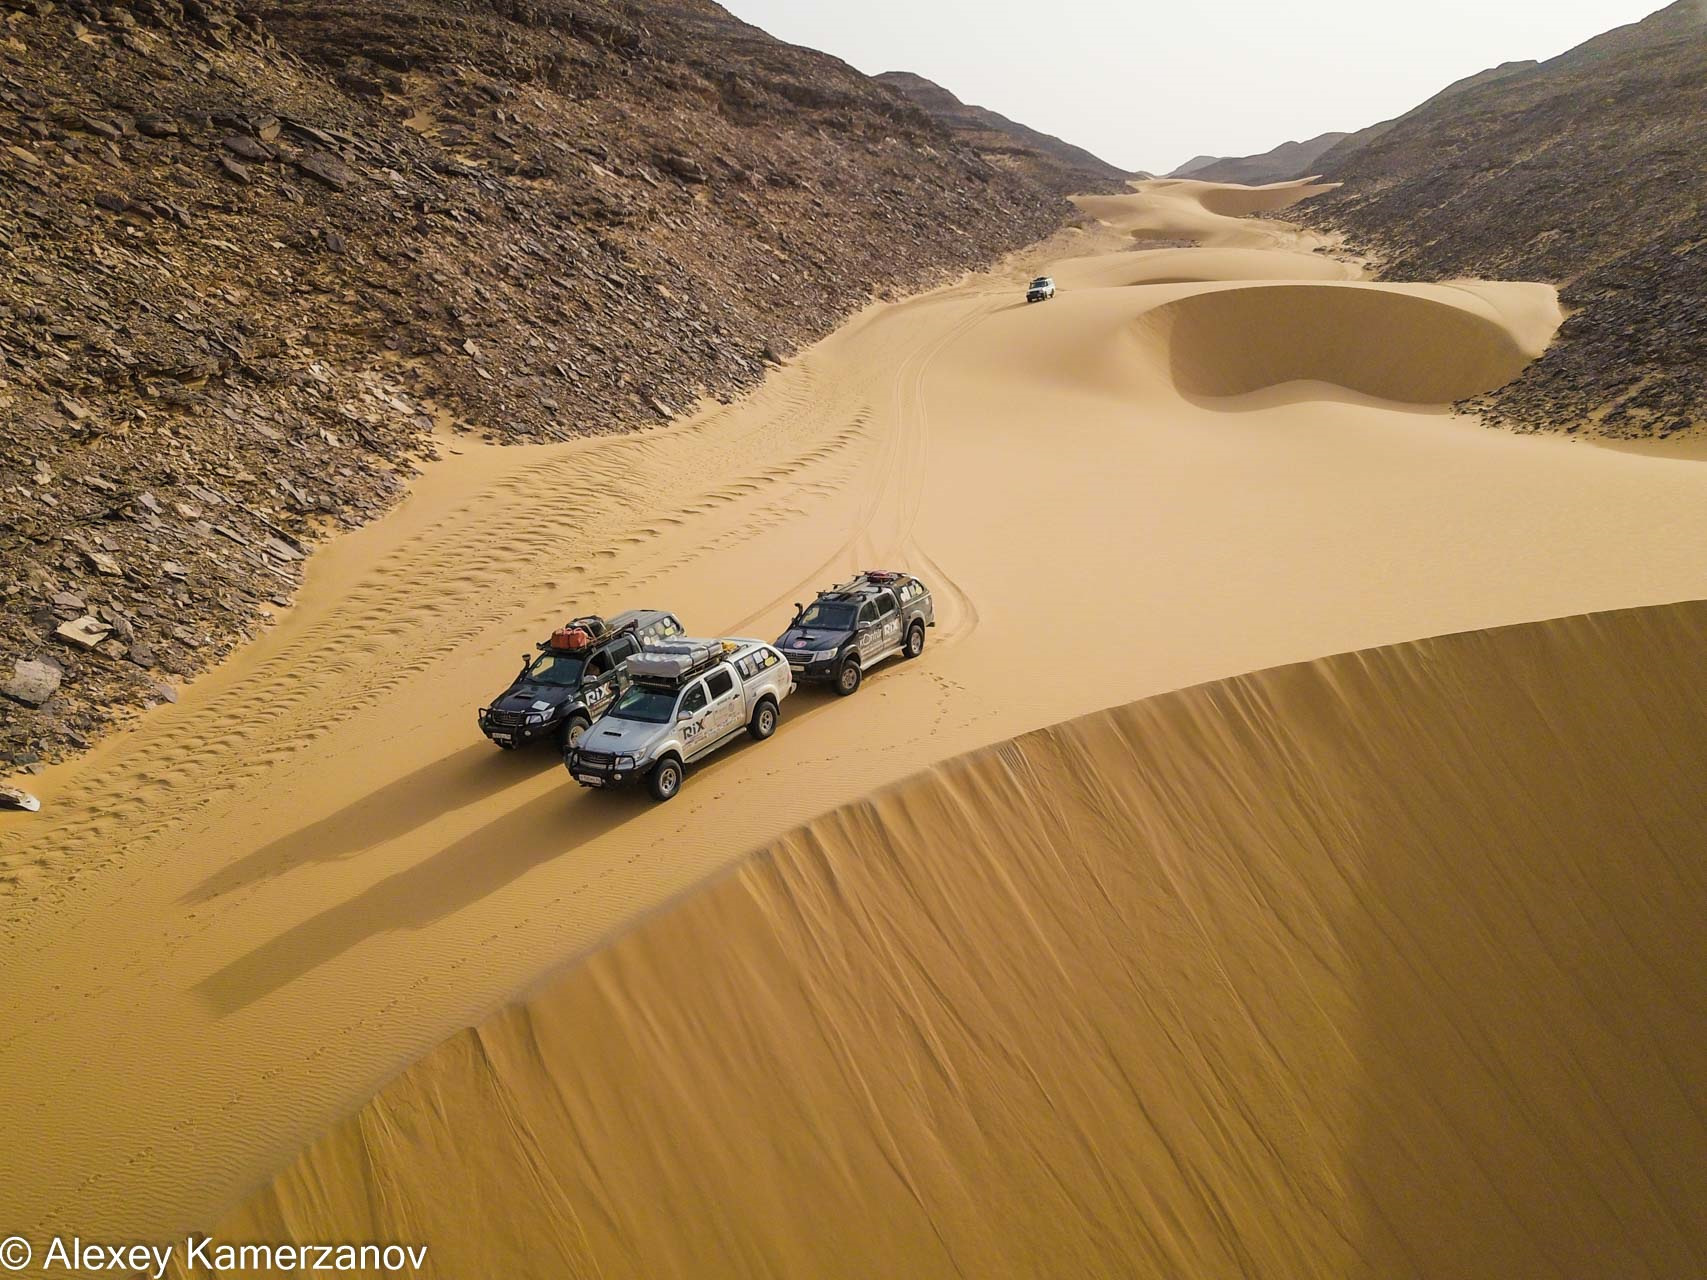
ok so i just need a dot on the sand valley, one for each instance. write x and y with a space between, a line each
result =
1358 947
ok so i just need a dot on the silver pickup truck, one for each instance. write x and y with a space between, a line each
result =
686 698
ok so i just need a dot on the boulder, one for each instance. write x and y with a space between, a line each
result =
33 682
85 632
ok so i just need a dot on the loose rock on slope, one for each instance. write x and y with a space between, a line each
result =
257 251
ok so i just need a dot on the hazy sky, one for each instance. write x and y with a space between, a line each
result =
1147 86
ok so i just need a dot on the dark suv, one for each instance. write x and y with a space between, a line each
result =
573 678
849 629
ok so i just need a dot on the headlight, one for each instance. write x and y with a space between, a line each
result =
625 762
533 717
822 654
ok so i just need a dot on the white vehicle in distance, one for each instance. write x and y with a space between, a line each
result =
686 698
1040 290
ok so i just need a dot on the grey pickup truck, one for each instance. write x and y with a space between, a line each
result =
851 628
574 677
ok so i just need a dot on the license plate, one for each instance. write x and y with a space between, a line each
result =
589 779
500 737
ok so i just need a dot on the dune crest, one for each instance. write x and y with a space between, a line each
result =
1375 971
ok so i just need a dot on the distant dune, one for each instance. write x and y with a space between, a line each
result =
1385 964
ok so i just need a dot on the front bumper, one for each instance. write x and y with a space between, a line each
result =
504 733
514 735
809 666
600 769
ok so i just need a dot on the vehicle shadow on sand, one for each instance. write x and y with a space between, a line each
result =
480 864
474 773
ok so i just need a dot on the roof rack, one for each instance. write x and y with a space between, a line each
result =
869 578
596 628
678 659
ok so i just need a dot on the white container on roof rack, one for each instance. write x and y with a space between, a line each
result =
674 659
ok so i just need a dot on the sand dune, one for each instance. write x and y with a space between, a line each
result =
1388 964
1412 345
1181 208
1197 265
232 925
1235 201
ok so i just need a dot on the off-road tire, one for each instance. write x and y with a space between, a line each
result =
848 678
915 640
570 733
763 723
665 780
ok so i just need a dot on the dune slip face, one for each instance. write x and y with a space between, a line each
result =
229 927
1389 964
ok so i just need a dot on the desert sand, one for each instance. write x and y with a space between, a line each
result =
1362 967
232 925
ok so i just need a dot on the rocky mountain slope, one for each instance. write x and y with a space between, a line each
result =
1325 151
1044 158
1192 165
1336 155
255 250
1584 170
1288 160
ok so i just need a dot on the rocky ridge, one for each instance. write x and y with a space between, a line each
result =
256 253
1585 171
1287 161
1042 157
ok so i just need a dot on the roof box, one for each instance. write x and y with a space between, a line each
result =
674 659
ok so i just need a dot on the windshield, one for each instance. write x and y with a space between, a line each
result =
555 669
1040 282
641 702
828 616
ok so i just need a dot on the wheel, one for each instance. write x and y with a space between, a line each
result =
763 723
665 779
848 678
573 728
915 639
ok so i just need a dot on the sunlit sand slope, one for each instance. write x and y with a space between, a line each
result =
1386 964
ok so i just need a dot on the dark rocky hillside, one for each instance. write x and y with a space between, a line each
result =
1336 155
1042 157
1288 160
254 249
1326 151
1194 164
1585 170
